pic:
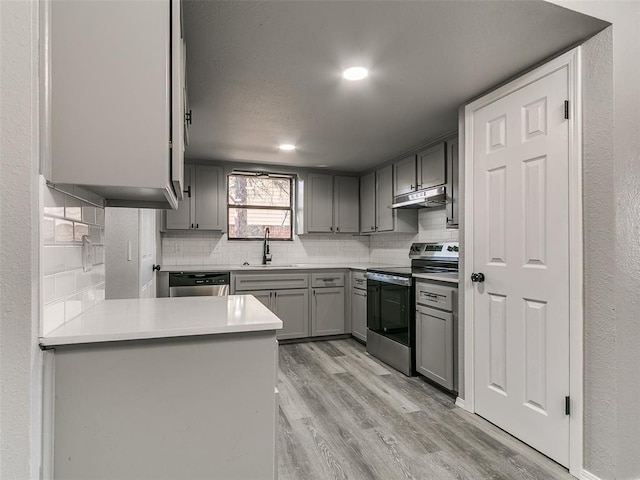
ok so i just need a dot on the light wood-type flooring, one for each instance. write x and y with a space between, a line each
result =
345 415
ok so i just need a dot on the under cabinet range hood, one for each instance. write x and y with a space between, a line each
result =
427 198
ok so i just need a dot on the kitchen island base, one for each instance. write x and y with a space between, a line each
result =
189 408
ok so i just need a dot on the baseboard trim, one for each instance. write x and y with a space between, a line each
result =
460 403
588 476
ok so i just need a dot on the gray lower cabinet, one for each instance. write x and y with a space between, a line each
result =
359 314
291 306
434 345
327 311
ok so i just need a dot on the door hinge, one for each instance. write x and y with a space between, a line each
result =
566 109
567 405
170 144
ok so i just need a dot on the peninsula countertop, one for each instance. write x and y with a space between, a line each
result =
151 318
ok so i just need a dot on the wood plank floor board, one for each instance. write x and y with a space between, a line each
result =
345 415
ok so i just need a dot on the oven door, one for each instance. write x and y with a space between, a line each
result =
389 310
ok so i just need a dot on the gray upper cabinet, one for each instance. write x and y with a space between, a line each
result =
180 218
384 199
110 99
203 207
209 198
431 167
376 197
319 203
452 183
332 204
346 204
368 203
404 176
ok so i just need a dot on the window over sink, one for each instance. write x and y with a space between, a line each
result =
257 201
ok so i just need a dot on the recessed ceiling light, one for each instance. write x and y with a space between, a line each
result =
355 73
287 147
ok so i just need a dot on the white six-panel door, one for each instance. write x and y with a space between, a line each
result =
520 174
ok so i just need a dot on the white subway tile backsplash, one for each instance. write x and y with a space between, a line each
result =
100 216
97 275
67 289
88 299
72 257
88 213
48 288
63 231
72 208
48 230
79 231
72 306
65 284
53 316
53 259
53 202
83 279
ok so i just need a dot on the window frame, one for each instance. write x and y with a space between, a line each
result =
290 208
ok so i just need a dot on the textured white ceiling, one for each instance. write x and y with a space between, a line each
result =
261 73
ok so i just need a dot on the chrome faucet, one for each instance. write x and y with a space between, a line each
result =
266 256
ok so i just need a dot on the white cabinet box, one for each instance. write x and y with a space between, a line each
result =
109 101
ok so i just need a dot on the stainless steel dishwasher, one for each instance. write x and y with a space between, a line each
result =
199 284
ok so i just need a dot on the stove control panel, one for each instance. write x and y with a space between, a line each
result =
435 250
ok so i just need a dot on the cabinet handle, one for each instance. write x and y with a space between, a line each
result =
188 117
192 225
331 228
197 226
337 229
412 187
188 191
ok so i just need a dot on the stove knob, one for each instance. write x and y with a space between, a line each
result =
450 248
455 249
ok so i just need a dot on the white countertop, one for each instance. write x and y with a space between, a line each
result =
257 267
147 318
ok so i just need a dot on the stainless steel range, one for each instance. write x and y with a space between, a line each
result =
391 302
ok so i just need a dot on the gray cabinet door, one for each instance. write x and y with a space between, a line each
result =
264 296
384 199
434 345
359 314
181 218
319 203
452 183
292 307
431 167
346 212
368 203
209 188
327 311
404 175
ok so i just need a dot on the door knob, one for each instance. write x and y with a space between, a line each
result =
477 277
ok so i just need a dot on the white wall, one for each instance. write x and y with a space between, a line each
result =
20 358
613 363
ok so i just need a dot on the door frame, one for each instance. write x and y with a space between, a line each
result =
571 60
